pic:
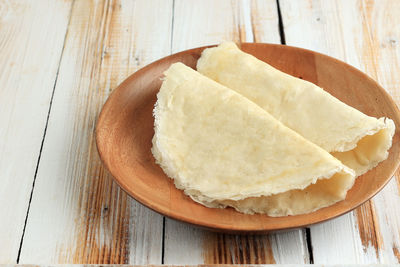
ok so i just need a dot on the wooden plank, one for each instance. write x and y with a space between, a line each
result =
193 27
185 244
358 33
225 21
29 57
209 23
380 58
78 214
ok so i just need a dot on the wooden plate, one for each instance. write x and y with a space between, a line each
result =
125 129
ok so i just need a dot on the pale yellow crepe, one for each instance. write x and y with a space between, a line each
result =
359 141
224 150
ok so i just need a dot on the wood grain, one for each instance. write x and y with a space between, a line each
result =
193 27
357 32
29 59
78 214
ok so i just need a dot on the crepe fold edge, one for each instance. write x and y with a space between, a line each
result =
324 190
370 149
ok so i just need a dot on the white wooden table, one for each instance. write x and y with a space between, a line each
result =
59 60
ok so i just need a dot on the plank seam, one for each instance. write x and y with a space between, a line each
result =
280 24
309 245
163 241
44 136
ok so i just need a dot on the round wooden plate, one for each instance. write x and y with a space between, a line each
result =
125 129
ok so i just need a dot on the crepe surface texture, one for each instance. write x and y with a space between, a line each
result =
358 140
224 150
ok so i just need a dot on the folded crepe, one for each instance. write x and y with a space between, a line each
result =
358 140
224 150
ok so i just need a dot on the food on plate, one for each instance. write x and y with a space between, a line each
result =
223 150
358 140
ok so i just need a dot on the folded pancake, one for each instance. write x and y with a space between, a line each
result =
358 140
224 150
